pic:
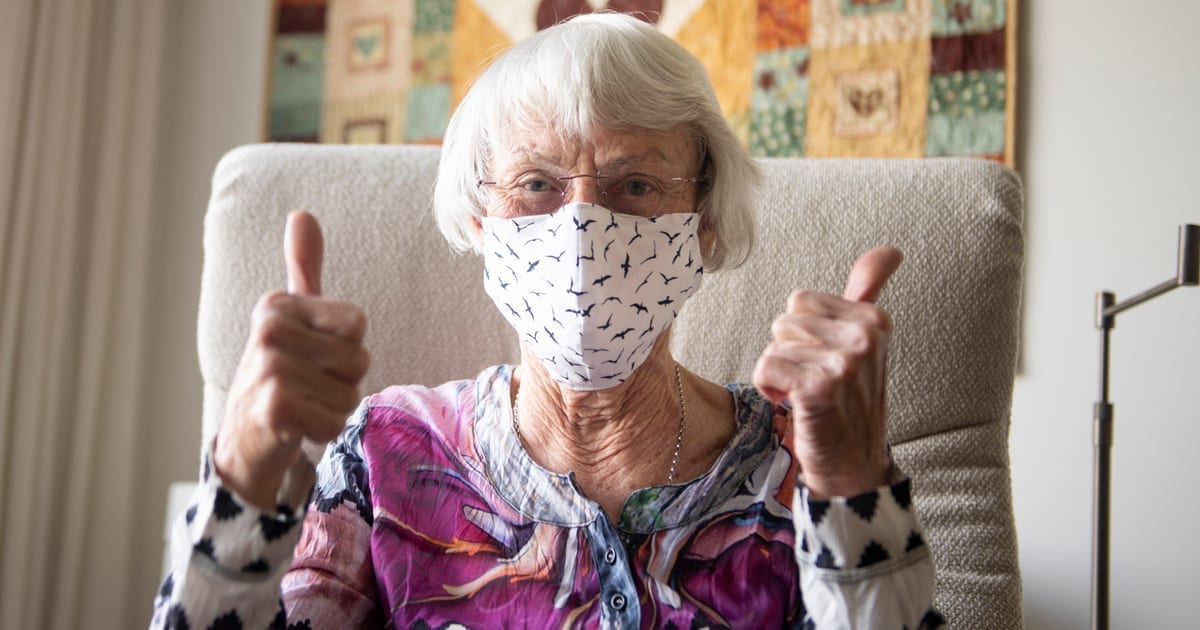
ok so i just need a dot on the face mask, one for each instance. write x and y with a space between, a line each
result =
590 290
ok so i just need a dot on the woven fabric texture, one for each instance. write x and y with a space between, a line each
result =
955 302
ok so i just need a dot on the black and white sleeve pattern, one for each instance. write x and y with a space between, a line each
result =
863 560
228 557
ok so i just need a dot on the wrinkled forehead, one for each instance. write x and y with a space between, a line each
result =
596 149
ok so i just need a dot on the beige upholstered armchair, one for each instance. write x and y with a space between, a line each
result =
955 303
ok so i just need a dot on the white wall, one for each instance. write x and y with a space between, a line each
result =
1108 138
1108 147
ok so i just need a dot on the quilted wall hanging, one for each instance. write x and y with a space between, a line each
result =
817 78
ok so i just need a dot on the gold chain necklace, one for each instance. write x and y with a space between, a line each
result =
516 422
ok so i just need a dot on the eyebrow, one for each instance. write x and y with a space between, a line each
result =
534 158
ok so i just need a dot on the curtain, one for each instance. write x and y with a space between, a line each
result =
80 96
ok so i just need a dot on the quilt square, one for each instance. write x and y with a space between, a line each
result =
966 113
365 120
960 17
782 24
868 101
297 77
368 48
778 105
840 23
428 113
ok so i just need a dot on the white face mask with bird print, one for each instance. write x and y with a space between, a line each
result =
590 290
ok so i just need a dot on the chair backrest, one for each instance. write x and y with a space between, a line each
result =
955 303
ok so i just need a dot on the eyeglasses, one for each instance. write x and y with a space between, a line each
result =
633 193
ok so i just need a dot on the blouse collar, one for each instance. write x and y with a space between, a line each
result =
550 497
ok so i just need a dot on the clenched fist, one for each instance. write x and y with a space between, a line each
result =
828 357
298 376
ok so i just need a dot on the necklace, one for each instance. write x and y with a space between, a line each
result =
516 422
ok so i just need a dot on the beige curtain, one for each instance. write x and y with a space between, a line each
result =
79 115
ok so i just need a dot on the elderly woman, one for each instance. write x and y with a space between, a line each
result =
598 482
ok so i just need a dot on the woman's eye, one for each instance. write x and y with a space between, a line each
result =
637 187
537 186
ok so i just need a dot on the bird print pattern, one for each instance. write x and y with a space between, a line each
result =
590 290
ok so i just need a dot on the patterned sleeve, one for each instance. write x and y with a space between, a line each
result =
232 565
863 560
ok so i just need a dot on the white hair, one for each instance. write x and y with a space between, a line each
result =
599 71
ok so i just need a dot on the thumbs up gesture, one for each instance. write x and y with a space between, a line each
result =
298 376
828 357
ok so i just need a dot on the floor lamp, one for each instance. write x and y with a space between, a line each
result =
1187 273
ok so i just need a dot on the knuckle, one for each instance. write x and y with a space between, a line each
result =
798 299
878 318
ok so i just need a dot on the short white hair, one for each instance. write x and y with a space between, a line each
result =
598 71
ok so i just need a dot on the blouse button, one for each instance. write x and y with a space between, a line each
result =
610 556
617 601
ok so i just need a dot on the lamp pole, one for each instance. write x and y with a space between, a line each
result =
1187 273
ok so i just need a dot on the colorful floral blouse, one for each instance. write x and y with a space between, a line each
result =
428 513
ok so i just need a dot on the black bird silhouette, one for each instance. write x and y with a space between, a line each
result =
557 258
536 239
636 234
504 285
616 360
621 335
533 335
688 221
572 291
639 287
611 225
612 299
688 265
678 253
639 307
648 330
554 318
606 249
587 312
513 311
583 377
533 265
550 333
592 256
582 226
670 237
625 266
601 280
667 301
512 251
607 324
554 230
522 227
667 280
527 309
537 293
699 270
652 256
572 363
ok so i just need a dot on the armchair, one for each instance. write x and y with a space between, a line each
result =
955 303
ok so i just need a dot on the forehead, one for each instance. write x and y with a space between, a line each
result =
597 150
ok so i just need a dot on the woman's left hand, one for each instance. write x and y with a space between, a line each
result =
828 356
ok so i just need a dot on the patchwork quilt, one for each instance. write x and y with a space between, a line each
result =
819 78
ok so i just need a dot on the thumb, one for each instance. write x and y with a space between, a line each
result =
871 272
304 251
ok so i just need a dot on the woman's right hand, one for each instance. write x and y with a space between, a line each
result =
298 376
